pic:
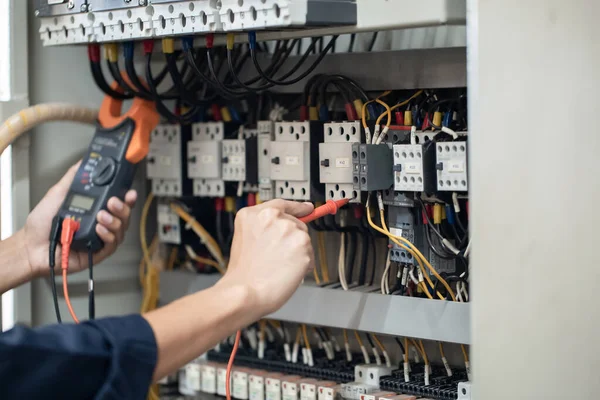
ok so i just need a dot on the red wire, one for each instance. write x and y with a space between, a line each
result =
238 336
67 299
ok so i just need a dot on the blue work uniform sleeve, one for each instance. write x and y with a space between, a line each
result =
112 358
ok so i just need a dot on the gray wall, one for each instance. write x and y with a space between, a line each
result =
62 74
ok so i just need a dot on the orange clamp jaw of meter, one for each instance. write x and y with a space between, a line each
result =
142 112
331 207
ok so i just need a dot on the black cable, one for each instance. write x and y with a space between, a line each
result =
100 81
303 75
115 71
352 41
373 40
350 256
370 340
54 238
160 106
438 252
364 259
139 86
91 295
401 346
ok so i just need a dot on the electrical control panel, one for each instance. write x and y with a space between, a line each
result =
166 167
372 166
204 159
294 160
335 160
451 166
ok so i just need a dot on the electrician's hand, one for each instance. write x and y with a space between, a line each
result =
111 227
271 253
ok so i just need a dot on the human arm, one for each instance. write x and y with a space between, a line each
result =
103 359
270 256
25 254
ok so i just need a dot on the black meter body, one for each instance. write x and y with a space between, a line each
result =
108 168
104 173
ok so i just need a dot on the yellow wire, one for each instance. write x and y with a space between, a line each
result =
358 339
298 335
364 107
379 344
210 262
205 237
323 256
346 340
144 243
262 326
172 258
274 324
419 349
465 353
441 346
424 353
142 271
389 110
316 275
305 334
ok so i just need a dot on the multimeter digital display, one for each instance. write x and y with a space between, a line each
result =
108 168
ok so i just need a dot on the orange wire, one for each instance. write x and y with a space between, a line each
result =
67 299
238 336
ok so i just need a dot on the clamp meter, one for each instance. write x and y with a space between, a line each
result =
108 168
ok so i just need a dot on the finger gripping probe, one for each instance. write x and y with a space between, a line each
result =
331 207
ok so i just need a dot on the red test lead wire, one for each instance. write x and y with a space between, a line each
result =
331 207
69 227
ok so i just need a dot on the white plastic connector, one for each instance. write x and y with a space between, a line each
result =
288 352
450 132
376 355
295 351
447 366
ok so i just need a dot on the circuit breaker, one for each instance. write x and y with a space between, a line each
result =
265 136
170 228
294 160
372 166
204 159
401 222
165 166
451 166
335 160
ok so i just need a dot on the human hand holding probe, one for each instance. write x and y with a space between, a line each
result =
271 254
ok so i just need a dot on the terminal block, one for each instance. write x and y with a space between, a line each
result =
451 166
414 168
295 161
169 175
335 160
204 159
372 167
259 14
266 186
183 17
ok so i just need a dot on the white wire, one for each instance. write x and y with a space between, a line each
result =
342 262
385 278
468 249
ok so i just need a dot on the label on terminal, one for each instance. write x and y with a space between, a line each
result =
236 160
209 379
192 376
412 168
343 162
256 387
292 160
207 159
456 166
165 160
